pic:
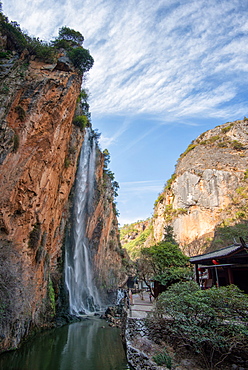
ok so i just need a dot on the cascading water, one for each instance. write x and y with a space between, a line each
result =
83 294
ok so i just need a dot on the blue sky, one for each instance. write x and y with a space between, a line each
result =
165 71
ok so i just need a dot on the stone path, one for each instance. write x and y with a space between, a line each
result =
140 307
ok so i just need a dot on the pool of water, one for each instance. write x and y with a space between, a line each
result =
86 345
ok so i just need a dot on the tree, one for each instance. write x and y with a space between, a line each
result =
163 262
81 59
106 158
69 37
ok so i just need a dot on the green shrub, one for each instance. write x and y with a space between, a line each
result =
163 358
81 121
170 181
237 145
227 128
3 54
190 147
223 144
212 139
42 50
159 199
81 59
67 162
212 322
51 296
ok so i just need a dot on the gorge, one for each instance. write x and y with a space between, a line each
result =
60 250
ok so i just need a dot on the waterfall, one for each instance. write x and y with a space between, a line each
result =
83 294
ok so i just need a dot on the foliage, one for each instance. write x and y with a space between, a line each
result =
67 162
163 256
81 121
237 145
190 147
163 358
4 54
170 181
134 246
171 212
159 199
14 34
128 229
69 38
106 155
81 59
110 175
212 322
227 128
42 50
51 295
163 262
169 235
227 234
246 175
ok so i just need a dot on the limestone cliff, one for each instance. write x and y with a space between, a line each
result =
39 149
208 189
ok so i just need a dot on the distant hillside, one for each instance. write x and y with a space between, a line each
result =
135 236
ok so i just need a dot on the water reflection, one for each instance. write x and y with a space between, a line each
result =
87 345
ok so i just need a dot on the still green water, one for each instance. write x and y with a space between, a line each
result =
86 345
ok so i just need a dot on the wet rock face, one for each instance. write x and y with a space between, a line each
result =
205 186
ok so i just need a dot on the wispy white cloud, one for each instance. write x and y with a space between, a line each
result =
105 142
141 186
178 58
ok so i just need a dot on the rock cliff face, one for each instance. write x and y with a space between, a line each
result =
39 148
208 189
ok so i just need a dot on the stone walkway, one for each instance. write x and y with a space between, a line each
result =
140 307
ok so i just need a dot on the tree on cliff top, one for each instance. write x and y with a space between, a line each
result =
69 40
72 41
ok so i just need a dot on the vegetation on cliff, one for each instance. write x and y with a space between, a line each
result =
135 236
68 40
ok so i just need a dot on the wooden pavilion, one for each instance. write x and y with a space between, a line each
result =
226 266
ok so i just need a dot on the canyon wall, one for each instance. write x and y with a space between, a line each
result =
208 189
39 149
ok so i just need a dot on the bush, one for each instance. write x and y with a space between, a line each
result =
212 322
190 147
237 145
81 59
227 128
81 121
163 359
